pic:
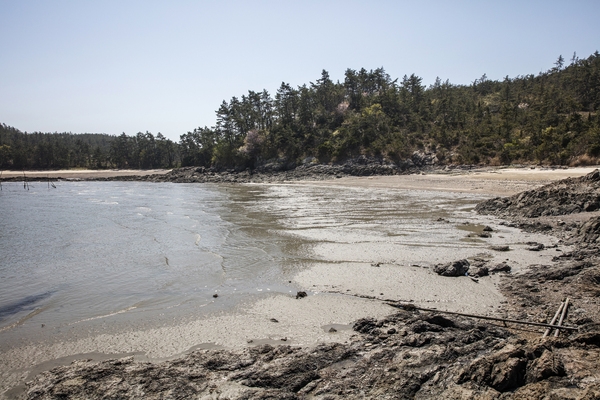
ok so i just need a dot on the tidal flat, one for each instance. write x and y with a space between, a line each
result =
131 268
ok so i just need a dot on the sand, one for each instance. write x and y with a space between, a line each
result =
489 181
333 288
84 173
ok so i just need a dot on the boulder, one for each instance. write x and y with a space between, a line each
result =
455 268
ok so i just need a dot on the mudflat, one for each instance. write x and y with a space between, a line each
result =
388 353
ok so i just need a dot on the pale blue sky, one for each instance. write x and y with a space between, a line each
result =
165 66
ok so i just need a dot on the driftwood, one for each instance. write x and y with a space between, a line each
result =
410 307
562 304
562 316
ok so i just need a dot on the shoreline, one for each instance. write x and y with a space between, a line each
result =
495 181
291 316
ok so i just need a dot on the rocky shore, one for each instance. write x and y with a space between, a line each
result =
411 353
280 172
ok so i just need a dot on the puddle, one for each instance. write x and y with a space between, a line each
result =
272 342
337 327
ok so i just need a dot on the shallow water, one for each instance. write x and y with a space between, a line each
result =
97 256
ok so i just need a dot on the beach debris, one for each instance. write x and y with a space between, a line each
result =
562 316
249 341
500 248
301 295
273 320
455 268
376 264
215 295
412 307
560 308
332 330
284 339
485 235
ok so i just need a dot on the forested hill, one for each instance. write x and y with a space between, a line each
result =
549 118
37 150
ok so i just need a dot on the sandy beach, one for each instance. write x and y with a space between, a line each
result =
337 292
82 173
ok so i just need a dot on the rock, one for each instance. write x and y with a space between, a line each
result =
589 232
391 331
301 295
215 295
479 271
545 366
501 267
456 268
535 246
503 371
485 235
365 325
567 196
500 248
487 229
332 330
273 320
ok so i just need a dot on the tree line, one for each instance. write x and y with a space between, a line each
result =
548 118
37 150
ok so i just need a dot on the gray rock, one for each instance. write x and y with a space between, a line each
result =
455 268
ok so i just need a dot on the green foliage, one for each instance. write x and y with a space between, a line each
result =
551 118
37 150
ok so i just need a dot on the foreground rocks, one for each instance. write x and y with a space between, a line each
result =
406 355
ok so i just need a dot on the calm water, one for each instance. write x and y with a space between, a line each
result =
87 253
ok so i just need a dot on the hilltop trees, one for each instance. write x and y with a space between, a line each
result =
549 118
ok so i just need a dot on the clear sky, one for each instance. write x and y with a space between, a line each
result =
165 66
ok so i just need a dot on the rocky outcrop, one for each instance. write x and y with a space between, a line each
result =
403 356
568 196
455 268
279 171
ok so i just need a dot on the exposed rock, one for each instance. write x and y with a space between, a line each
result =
501 267
567 196
479 271
439 357
589 232
301 295
500 248
456 268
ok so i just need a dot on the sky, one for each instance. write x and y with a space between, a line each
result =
165 66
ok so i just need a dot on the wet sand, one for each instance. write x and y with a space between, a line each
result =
334 288
83 173
488 181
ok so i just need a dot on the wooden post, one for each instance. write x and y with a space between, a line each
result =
562 304
562 316
409 307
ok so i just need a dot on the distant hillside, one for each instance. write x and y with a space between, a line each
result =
549 118
38 150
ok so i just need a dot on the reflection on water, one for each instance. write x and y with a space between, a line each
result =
90 252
